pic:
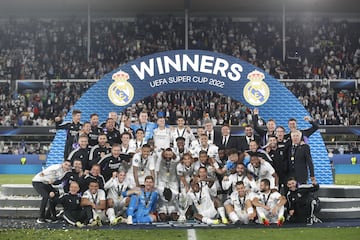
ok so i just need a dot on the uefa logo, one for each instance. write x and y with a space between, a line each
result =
121 92
256 92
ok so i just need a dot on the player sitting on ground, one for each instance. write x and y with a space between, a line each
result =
239 207
269 205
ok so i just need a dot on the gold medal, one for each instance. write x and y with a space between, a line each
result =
167 174
142 172
292 158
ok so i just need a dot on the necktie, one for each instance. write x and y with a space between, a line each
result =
224 140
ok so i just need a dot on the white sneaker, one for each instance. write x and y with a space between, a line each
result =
79 224
40 220
129 220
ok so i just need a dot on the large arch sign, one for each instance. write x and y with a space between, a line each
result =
195 70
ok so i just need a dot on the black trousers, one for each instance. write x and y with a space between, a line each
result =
81 215
44 190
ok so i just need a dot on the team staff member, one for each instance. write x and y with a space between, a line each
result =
301 202
264 134
74 214
299 160
112 134
42 184
72 130
94 174
112 162
95 130
306 133
99 150
81 153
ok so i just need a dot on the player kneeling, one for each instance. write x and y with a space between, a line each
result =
239 207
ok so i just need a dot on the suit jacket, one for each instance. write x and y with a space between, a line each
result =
217 136
243 144
232 142
302 164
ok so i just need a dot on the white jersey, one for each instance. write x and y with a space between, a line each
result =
50 174
211 170
162 138
176 132
238 202
265 170
95 198
186 172
136 144
269 199
115 189
144 166
167 170
178 153
233 179
127 150
211 149
202 202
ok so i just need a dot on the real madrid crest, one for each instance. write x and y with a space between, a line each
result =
120 92
256 92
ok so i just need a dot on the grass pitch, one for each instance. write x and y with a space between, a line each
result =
201 234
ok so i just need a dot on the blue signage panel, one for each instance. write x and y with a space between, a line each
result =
196 70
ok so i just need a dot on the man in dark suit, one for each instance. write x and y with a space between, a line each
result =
243 141
209 131
225 140
299 160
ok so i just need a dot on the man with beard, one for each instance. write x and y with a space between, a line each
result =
99 150
73 176
278 160
261 169
301 203
143 164
238 206
229 183
269 205
167 184
112 134
95 130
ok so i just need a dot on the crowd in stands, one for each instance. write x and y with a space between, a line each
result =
316 48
